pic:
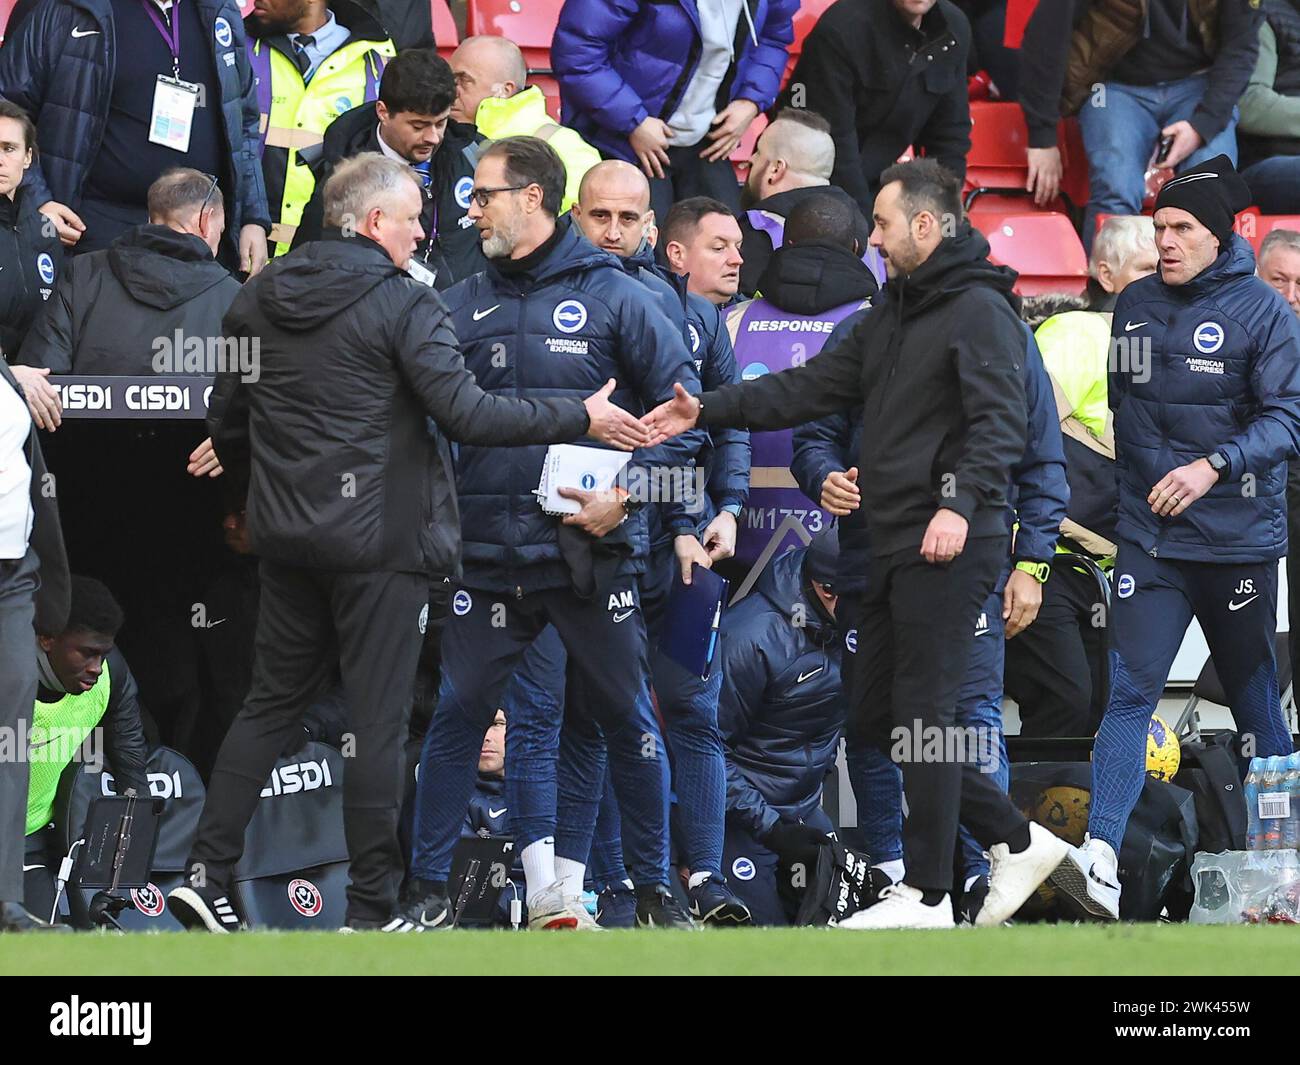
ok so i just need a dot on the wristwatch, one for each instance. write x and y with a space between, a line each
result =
1040 571
1218 462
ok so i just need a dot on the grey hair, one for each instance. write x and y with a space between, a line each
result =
1119 239
1278 238
180 191
362 183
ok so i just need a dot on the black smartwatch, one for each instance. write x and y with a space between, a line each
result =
1218 462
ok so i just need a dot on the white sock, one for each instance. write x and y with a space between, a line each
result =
1102 849
539 866
571 876
697 879
894 870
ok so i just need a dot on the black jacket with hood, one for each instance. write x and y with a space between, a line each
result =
112 308
346 432
937 366
812 278
451 245
757 244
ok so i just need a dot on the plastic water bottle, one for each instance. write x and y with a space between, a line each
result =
1291 786
1271 814
1254 833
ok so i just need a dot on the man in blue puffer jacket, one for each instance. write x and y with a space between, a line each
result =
85 71
781 714
671 84
1205 386
550 314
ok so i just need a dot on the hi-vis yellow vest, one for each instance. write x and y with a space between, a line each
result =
294 116
58 731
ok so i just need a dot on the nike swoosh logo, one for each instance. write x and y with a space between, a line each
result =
480 315
623 616
804 676
44 743
497 813
84 33
214 624
434 923
981 632
1244 602
1134 325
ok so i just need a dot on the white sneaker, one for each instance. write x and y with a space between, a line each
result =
1089 880
900 906
1013 877
548 912
586 923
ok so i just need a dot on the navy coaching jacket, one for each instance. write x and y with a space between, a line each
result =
1212 365
562 329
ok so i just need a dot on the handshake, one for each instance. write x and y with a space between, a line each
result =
611 424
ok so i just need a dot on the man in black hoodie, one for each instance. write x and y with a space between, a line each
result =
936 365
410 122
352 508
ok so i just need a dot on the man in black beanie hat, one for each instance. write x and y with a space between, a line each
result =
1205 386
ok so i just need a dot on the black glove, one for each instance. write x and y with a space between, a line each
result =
794 841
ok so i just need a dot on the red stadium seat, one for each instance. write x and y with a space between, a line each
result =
444 27
245 7
741 154
998 143
1254 226
1043 248
6 9
1074 162
529 23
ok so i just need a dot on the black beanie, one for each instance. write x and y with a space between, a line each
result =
1213 193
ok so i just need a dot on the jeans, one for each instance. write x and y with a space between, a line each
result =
1121 127
1275 184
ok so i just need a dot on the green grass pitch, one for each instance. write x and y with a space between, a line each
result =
1030 949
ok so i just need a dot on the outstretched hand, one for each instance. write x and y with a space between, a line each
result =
676 416
611 424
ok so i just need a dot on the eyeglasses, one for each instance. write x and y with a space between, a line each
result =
211 189
484 196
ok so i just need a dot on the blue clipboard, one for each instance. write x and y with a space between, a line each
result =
691 620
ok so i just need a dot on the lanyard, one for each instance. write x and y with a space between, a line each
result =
170 31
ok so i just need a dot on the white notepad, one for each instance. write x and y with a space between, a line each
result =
570 466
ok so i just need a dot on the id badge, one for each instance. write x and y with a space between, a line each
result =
173 113
421 273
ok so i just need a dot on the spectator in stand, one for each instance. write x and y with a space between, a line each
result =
313 60
1140 73
1278 264
889 75
411 122
672 86
491 93
149 304
84 687
1268 135
93 102
792 161
32 256
701 239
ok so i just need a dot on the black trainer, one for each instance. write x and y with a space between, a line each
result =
972 901
657 907
204 909
424 908
713 902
